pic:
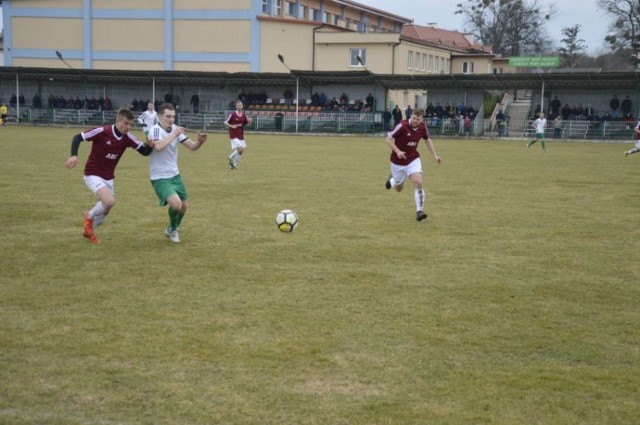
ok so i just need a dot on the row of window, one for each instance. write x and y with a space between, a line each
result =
292 9
423 62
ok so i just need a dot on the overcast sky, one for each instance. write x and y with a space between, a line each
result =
592 21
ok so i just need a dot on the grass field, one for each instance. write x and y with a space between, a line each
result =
516 302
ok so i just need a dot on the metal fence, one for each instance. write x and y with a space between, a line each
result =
341 122
589 130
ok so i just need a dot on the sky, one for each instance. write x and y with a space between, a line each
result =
593 22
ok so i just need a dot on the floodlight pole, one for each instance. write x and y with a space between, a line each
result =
18 99
281 59
59 55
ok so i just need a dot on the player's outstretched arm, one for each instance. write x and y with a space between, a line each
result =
432 150
202 137
75 145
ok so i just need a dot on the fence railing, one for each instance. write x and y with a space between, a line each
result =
581 129
341 122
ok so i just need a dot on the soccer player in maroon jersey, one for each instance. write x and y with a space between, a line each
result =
405 158
109 143
636 148
235 122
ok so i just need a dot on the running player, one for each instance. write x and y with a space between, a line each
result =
108 144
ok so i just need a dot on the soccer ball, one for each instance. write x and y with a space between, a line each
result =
287 221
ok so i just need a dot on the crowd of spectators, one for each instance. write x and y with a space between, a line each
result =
618 111
60 102
449 111
317 99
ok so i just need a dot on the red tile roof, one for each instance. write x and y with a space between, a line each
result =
453 40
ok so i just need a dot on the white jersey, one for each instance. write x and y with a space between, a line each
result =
148 119
164 164
540 125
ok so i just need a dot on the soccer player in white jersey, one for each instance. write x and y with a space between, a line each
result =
148 118
539 125
163 166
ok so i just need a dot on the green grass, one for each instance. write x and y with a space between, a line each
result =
516 302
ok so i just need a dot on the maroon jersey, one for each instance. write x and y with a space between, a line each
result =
106 150
407 139
237 118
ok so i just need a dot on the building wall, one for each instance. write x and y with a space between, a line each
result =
481 64
219 35
438 61
293 41
333 51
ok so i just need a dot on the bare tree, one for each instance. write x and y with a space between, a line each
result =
624 30
511 27
573 48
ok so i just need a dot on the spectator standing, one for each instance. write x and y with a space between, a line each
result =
626 106
614 104
555 106
386 119
288 97
397 116
369 101
557 127
504 126
195 102
467 125
322 100
408 112
36 102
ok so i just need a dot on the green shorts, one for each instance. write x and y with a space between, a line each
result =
539 135
165 188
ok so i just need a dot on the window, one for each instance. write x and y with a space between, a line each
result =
354 53
277 8
302 12
315 15
424 62
410 60
291 9
326 18
430 65
265 6
467 67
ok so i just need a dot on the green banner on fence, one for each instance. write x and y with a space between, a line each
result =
535 62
